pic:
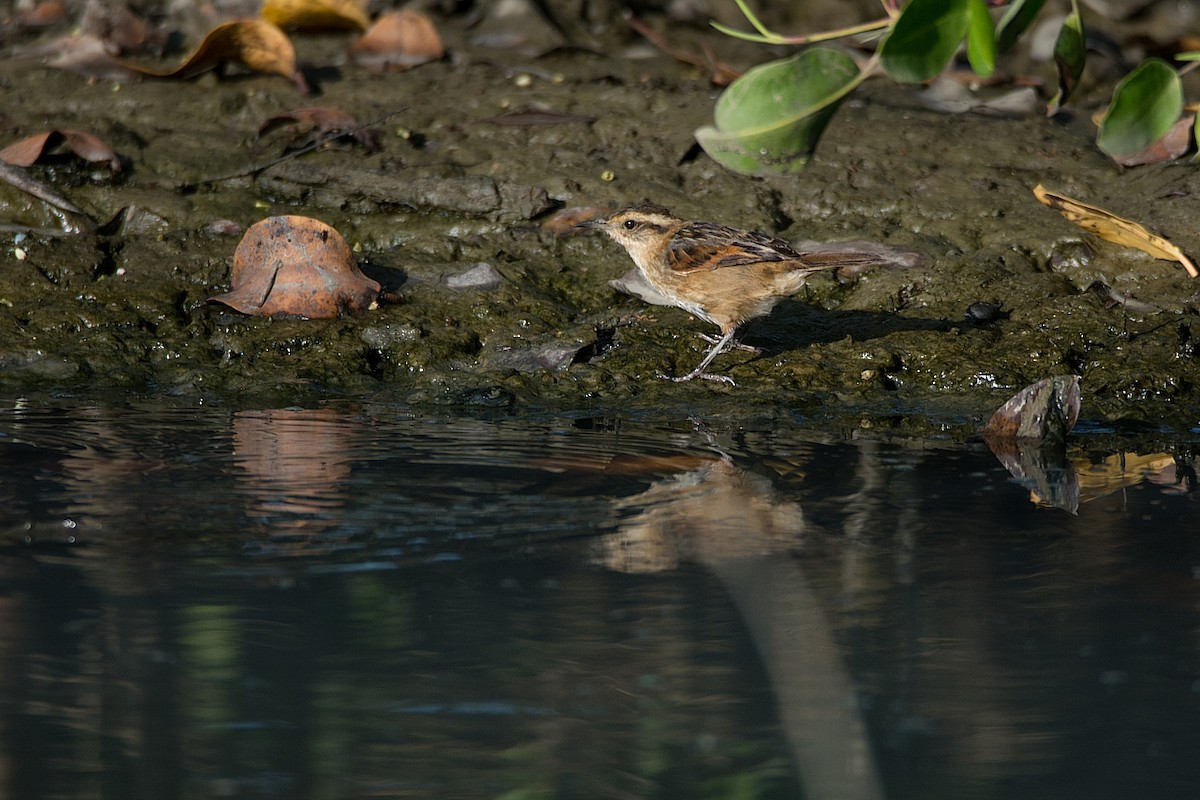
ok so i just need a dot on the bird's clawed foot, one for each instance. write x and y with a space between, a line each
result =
733 346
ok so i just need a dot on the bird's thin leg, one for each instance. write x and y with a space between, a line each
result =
699 372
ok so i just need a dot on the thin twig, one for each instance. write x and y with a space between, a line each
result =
328 137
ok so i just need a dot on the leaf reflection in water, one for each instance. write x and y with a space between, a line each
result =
294 465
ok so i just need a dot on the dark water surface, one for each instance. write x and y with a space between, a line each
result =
357 601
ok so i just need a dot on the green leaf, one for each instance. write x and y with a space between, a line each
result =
1014 22
981 38
923 39
1070 55
770 119
1190 55
1145 104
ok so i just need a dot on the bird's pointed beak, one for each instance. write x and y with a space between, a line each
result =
589 224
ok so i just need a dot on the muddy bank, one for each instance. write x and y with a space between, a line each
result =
451 189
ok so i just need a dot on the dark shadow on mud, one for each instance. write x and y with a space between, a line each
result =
389 277
795 324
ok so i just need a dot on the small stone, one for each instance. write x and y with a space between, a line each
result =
482 276
380 337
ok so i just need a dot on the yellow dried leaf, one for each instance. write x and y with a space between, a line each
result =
1115 229
317 14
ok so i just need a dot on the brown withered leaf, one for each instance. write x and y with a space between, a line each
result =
29 150
317 15
1028 436
75 219
1045 411
297 266
256 44
1108 225
398 41
321 122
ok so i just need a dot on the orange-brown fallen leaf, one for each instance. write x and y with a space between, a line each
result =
256 44
321 122
297 266
1115 229
29 150
398 41
319 15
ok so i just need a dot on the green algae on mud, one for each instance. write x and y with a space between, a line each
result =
449 191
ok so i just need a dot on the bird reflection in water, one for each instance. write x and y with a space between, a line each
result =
736 524
715 510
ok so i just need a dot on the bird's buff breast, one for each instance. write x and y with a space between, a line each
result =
725 297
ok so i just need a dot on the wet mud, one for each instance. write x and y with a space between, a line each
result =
501 311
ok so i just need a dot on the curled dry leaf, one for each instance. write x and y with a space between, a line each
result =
254 43
1108 225
398 41
1045 411
296 266
323 123
317 15
1028 436
29 150
75 220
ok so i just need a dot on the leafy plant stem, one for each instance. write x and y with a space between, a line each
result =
752 19
767 36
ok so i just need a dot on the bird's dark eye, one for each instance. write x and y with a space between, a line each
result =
630 224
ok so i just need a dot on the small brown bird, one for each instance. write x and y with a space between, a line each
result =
722 275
